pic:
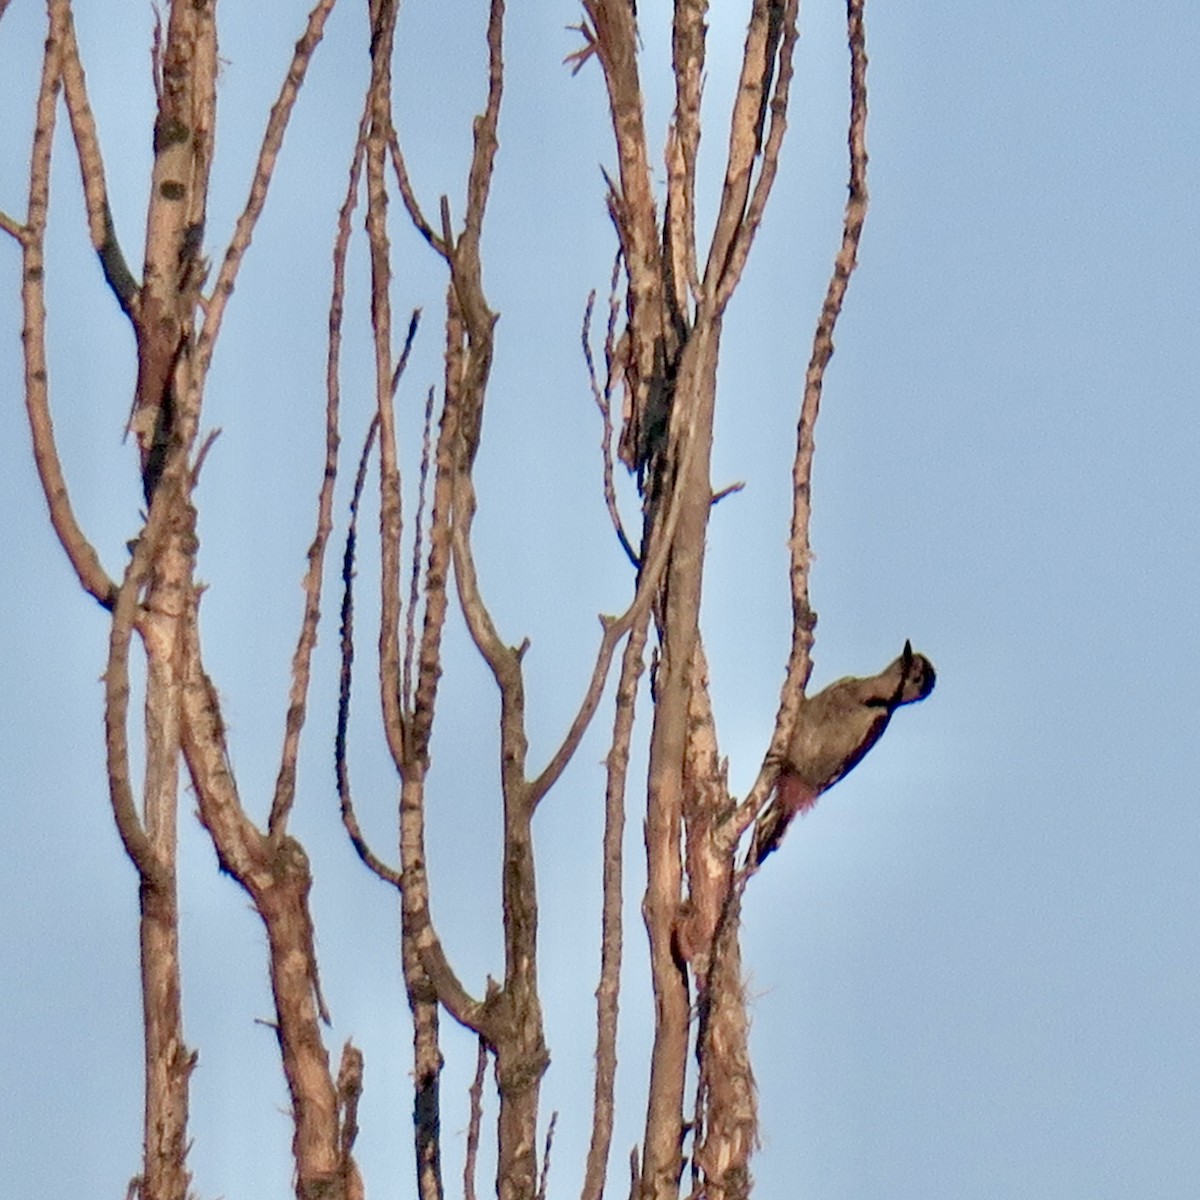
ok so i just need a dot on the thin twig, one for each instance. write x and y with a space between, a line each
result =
414 579
390 494
14 227
210 440
91 169
608 990
285 784
603 400
728 490
268 155
349 817
803 618
409 198
545 1176
116 700
483 159
475 1121
413 322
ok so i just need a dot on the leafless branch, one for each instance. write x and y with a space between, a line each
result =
479 178
688 49
409 198
503 660
390 500
545 1177
603 399
771 34
349 1091
803 618
267 156
341 762
459 1003
429 661
652 345
611 936
783 32
13 227
82 555
91 168
414 580
577 58
729 490
414 322
285 784
210 440
475 1121
333 388
116 706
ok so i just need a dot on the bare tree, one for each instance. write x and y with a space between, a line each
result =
656 391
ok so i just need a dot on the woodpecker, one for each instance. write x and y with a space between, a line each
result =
834 730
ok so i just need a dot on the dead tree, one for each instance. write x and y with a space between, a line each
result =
657 394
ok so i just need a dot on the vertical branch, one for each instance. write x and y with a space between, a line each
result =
602 395
167 398
285 784
474 1121
724 1132
683 146
770 41
611 932
799 546
652 339
91 168
268 155
726 1108
407 751
414 582
416 923
340 763
783 32
166 418
79 550
378 135
691 443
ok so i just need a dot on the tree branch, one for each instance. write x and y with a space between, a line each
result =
11 226
341 764
687 50
603 400
264 169
79 550
783 32
803 618
91 169
770 21
474 1121
414 579
611 936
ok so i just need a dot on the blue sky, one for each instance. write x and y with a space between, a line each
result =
974 966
